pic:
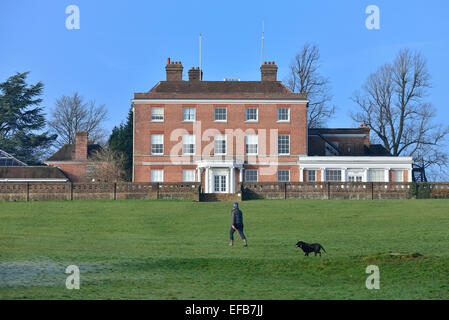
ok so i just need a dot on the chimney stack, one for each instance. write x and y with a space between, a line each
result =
367 136
81 145
195 74
174 70
269 71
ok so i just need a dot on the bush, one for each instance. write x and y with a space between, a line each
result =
419 190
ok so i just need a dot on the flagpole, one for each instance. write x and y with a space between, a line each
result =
263 30
200 61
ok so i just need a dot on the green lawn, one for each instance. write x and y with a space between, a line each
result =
179 249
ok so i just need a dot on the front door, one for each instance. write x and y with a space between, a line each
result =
220 184
355 175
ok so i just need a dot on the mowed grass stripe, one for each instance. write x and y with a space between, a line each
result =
178 249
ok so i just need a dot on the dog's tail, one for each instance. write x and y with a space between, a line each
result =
322 248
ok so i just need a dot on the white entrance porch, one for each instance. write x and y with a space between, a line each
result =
220 175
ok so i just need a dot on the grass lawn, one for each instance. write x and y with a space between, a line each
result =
179 249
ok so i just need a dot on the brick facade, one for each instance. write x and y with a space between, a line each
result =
168 99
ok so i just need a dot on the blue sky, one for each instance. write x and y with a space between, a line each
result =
122 46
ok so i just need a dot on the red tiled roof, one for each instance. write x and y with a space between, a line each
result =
219 89
67 152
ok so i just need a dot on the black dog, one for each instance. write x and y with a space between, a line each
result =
307 248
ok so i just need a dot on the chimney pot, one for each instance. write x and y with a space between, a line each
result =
195 74
268 71
174 71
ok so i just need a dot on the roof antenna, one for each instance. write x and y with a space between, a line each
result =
201 70
261 55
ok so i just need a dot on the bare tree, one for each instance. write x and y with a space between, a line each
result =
392 103
109 167
72 114
305 78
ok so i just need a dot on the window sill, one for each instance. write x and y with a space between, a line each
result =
223 121
156 120
283 121
251 121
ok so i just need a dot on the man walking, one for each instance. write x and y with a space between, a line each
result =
237 224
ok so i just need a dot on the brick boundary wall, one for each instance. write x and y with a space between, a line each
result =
10 191
341 190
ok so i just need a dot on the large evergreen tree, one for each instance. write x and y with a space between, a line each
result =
121 141
22 120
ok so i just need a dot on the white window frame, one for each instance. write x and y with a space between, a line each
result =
329 171
309 171
251 171
284 153
220 138
251 136
401 172
153 113
288 114
355 179
278 175
188 175
186 137
379 177
215 114
152 142
184 114
156 175
246 114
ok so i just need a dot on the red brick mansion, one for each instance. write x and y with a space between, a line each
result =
220 133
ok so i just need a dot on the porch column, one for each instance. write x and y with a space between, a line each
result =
198 177
301 174
207 177
343 175
232 180
387 175
241 174
323 174
365 175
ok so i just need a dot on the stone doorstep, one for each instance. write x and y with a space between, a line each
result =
220 197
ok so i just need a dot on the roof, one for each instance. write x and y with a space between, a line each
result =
8 160
377 150
317 131
31 173
220 89
67 152
317 144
